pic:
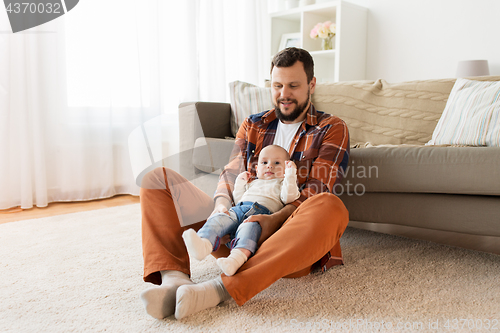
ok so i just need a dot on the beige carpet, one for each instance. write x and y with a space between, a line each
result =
81 272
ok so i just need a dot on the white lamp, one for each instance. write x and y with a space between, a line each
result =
472 68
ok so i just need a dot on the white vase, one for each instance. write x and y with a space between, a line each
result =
327 43
303 3
289 4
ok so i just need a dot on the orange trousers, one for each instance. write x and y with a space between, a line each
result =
171 204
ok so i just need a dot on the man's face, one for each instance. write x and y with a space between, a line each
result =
271 163
291 92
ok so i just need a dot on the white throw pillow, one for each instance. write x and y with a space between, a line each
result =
471 116
247 99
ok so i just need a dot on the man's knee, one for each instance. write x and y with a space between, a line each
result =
159 178
328 201
154 179
326 207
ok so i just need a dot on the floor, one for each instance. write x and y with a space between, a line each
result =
59 208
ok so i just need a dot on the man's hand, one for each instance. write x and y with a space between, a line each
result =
268 223
271 223
222 205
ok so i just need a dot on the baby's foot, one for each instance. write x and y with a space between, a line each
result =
232 263
197 247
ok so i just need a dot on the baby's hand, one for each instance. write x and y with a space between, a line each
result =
245 176
290 164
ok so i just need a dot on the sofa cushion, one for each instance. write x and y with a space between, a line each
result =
387 113
375 111
471 116
423 169
396 169
212 155
383 113
247 99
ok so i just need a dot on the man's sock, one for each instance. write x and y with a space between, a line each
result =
197 247
197 297
160 301
232 263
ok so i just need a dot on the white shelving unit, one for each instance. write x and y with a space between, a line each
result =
347 61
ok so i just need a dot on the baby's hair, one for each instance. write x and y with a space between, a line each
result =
281 148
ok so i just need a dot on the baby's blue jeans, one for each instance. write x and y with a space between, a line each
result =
243 235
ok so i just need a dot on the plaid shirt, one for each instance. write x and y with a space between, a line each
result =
320 149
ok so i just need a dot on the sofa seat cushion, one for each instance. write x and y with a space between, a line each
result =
211 155
401 168
423 169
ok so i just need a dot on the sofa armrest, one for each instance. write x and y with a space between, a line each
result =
200 120
203 119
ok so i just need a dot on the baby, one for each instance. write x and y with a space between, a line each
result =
275 186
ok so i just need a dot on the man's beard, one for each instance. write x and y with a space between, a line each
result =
296 113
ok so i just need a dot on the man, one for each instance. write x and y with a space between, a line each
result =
294 239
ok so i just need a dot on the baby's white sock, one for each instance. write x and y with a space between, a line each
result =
197 247
232 263
160 301
197 297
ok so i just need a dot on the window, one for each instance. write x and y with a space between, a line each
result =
108 58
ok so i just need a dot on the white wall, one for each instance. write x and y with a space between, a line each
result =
425 39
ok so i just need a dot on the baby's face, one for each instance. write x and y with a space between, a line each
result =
271 163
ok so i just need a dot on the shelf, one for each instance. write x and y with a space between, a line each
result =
323 54
347 61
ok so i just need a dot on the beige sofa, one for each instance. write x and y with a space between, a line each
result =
395 183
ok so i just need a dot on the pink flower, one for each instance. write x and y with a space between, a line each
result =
323 30
333 28
314 33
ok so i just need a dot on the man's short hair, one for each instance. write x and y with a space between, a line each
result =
289 56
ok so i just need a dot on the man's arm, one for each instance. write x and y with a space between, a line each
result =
330 163
222 205
235 166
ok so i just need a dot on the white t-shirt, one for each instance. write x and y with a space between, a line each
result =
285 134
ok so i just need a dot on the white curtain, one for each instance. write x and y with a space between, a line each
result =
72 90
